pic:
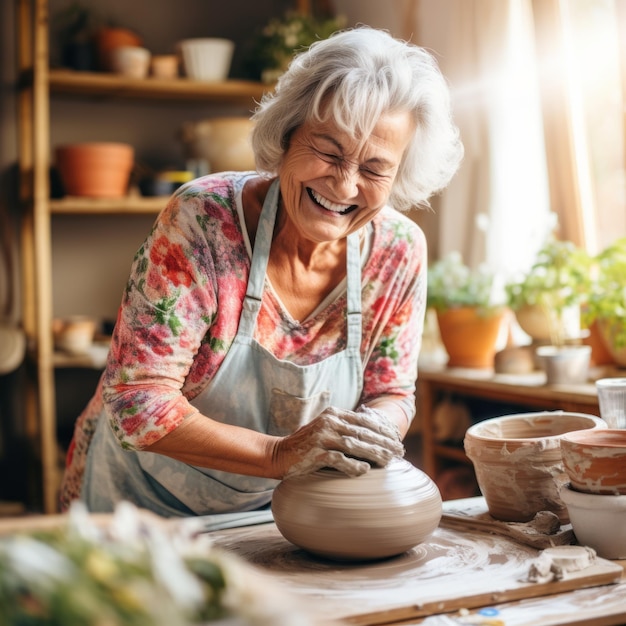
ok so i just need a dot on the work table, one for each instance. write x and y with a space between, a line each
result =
452 575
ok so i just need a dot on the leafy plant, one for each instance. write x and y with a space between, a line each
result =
274 46
607 296
453 284
558 280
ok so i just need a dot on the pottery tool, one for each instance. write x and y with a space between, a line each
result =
543 531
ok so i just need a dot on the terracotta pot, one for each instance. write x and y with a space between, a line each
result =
600 353
382 513
608 329
470 338
108 38
518 464
97 170
595 460
534 322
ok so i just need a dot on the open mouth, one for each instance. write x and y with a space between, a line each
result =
333 207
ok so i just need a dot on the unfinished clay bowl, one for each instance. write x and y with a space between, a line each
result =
379 514
595 460
518 464
598 521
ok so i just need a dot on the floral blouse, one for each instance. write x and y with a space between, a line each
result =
181 307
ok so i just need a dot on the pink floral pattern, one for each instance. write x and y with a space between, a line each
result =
181 307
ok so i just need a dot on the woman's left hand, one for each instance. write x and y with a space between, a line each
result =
349 441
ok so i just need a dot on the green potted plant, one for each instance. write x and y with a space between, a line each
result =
547 299
468 311
273 47
547 303
606 302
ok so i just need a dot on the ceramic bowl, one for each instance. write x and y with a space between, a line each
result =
379 514
206 58
598 521
518 464
223 142
595 460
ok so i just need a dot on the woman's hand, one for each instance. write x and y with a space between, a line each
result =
349 441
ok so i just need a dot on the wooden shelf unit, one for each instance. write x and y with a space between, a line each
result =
37 84
528 390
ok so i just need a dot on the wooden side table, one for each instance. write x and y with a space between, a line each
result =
529 390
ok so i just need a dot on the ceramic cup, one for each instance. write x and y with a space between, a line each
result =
565 365
130 61
612 401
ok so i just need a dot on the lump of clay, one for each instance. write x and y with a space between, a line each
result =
379 514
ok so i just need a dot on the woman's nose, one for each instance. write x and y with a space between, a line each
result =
346 180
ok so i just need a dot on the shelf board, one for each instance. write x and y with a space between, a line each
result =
138 205
114 86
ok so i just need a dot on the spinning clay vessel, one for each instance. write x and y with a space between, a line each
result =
379 514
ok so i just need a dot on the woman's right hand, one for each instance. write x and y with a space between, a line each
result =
349 441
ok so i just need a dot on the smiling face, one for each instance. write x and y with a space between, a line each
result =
333 184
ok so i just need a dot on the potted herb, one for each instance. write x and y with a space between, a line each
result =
547 299
468 312
606 303
547 303
274 45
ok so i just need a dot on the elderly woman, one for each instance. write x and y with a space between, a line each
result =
272 320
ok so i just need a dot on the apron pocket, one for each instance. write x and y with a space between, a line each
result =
288 413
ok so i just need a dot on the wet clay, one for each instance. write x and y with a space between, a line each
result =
382 513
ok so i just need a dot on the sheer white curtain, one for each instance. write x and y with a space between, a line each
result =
485 48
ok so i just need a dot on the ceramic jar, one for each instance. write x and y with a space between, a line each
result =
518 464
379 514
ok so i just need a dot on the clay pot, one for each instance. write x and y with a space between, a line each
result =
382 513
518 464
469 337
74 334
222 142
598 521
206 58
595 460
565 365
97 170
108 38
600 354
608 329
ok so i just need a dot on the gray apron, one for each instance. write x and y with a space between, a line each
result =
252 389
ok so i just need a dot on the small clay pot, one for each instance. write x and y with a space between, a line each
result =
518 464
379 514
595 460
470 336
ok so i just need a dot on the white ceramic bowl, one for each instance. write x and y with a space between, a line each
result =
598 521
207 58
379 514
